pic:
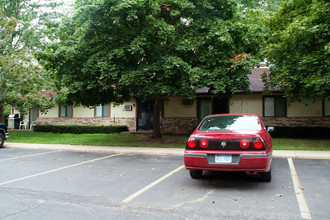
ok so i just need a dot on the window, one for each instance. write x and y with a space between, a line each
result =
205 108
231 123
66 111
326 107
274 106
102 111
212 106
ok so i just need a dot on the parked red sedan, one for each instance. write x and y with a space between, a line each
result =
230 142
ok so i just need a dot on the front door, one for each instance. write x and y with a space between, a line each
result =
33 116
204 108
145 116
208 106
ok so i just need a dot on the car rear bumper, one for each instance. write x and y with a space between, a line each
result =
240 161
6 136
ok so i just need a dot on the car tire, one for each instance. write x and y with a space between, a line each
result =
2 140
196 174
266 176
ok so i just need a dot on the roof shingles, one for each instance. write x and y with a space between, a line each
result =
255 78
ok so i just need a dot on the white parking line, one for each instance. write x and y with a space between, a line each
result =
304 210
57 169
146 188
29 155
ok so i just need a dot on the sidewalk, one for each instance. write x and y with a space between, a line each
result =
156 151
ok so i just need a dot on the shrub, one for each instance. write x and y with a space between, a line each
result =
301 132
77 129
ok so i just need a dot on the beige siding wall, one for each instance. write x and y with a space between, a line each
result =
83 112
52 113
298 109
117 111
251 104
15 111
179 118
86 116
175 108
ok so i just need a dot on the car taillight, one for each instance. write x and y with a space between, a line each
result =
203 143
244 144
258 144
192 142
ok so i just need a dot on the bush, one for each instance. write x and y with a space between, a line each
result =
301 132
76 129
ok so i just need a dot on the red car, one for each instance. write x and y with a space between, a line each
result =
230 142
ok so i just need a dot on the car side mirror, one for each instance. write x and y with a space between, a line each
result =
270 129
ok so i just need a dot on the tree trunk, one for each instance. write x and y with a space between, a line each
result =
156 117
2 111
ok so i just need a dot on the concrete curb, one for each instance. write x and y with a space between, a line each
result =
302 154
156 151
100 149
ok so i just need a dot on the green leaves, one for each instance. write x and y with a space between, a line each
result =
24 25
28 22
142 49
22 81
298 49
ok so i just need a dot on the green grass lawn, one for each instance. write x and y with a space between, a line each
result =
128 140
301 144
145 140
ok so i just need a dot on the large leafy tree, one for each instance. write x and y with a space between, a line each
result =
34 22
299 49
23 28
22 83
116 49
265 5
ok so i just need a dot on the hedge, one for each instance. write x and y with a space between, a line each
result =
301 132
77 129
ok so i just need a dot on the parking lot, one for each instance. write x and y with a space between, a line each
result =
54 184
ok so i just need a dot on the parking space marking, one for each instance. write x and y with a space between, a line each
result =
29 155
304 210
146 188
58 169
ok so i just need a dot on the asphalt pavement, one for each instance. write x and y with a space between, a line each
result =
48 181
156 151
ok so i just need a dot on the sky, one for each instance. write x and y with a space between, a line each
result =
67 4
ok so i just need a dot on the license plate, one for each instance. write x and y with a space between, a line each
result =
223 158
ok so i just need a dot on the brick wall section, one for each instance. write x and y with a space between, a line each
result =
129 122
175 125
186 125
183 126
297 121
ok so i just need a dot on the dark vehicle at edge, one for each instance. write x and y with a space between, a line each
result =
3 134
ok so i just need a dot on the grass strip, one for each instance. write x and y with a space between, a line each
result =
145 140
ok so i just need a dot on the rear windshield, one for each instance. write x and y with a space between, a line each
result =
231 123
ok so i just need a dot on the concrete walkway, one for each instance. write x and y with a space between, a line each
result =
156 151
